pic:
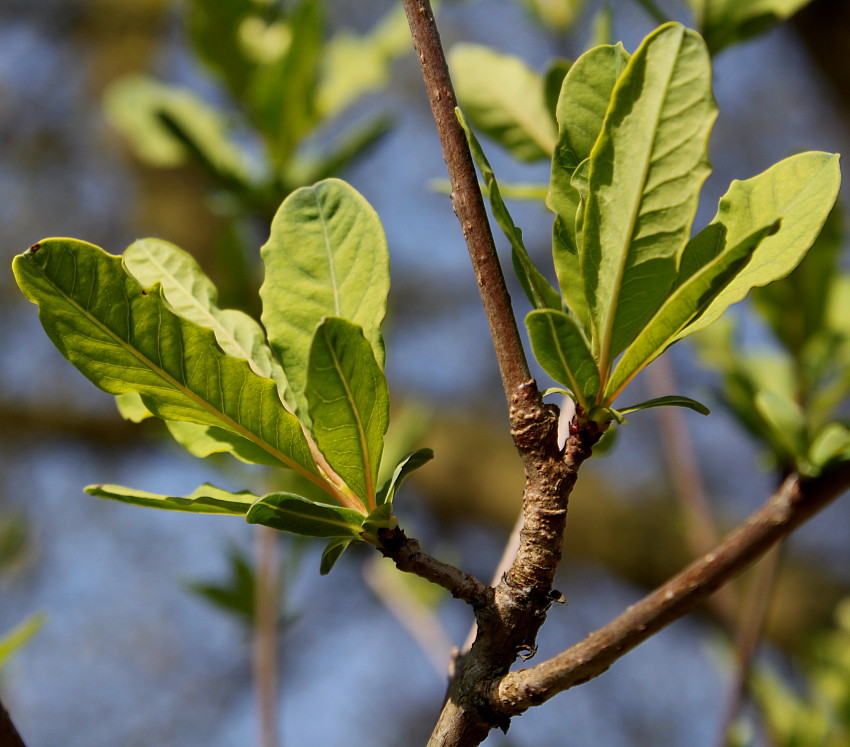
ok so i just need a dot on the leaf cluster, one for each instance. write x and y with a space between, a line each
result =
305 391
629 156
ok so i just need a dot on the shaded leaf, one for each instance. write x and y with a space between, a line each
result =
799 192
668 401
207 499
406 465
553 79
727 22
787 421
349 403
830 445
125 338
504 99
686 302
539 291
326 256
560 346
292 513
559 14
332 553
646 170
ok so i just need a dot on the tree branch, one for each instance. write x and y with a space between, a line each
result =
9 736
411 558
795 502
466 198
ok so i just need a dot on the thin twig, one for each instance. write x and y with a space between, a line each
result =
750 631
265 634
9 736
409 557
795 502
466 198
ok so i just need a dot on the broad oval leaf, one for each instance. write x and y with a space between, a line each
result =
537 288
688 301
799 192
326 256
287 512
205 440
207 499
125 338
560 346
646 171
349 403
408 464
504 99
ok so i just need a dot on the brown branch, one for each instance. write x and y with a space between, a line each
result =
265 644
409 557
795 502
466 197
9 736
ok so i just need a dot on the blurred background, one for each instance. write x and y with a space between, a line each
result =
142 621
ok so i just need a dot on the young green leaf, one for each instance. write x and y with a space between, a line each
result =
557 14
349 403
131 407
326 256
799 192
830 445
673 400
646 171
787 422
207 499
686 302
125 338
560 346
194 297
408 464
504 99
539 291
332 553
292 513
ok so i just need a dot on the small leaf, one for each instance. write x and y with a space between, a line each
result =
207 499
332 553
539 291
326 256
292 513
685 303
668 401
557 14
349 404
125 338
131 407
504 99
646 172
799 192
408 464
830 445
560 346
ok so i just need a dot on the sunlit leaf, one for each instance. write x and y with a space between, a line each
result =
558 14
786 419
646 171
204 440
131 407
539 291
207 499
830 445
799 192
125 338
504 99
14 640
560 346
292 513
406 465
326 256
349 404
687 301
